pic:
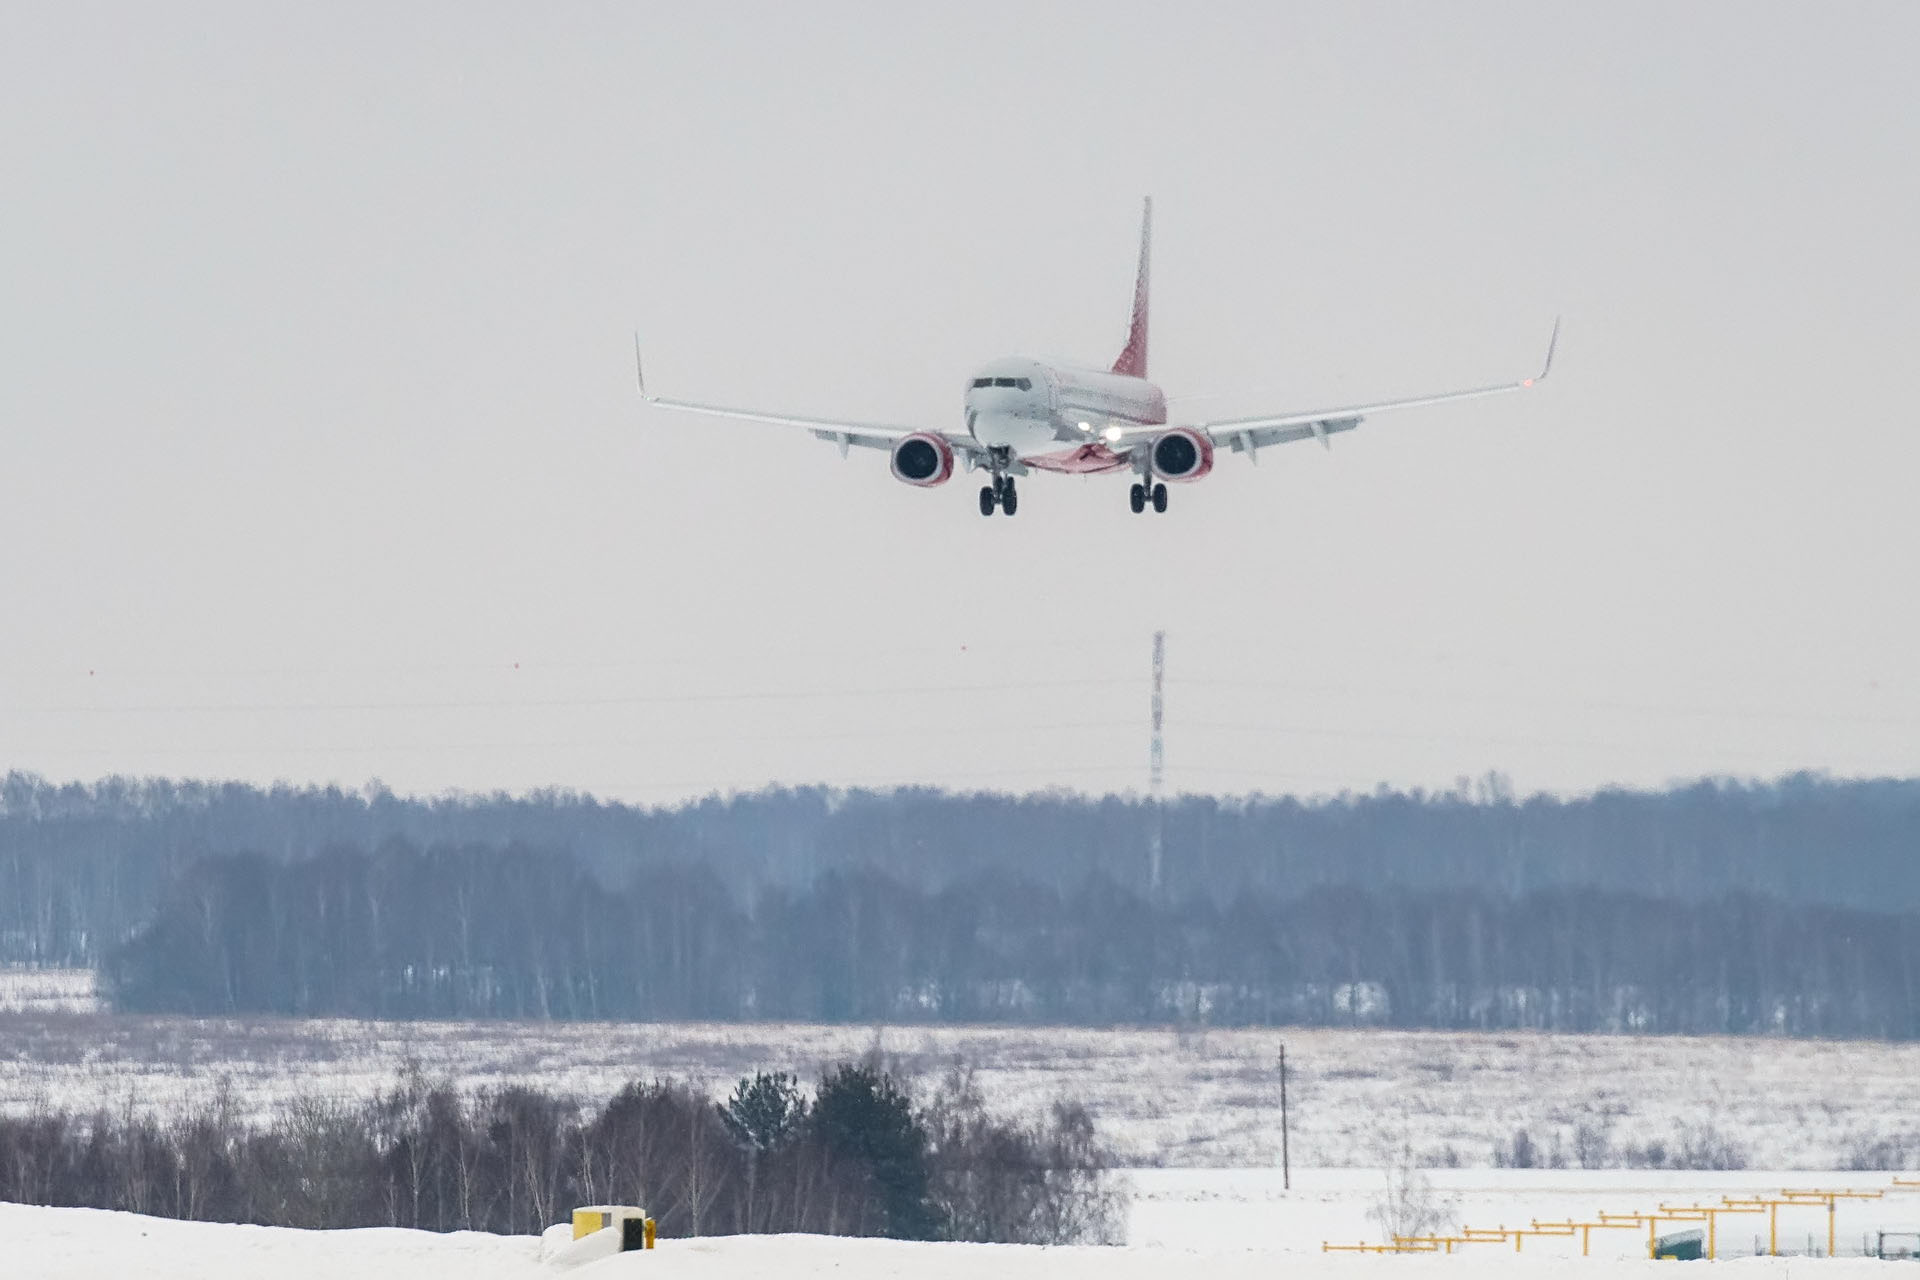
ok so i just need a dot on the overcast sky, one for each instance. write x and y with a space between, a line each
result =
323 460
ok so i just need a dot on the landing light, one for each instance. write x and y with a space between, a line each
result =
1086 426
1112 433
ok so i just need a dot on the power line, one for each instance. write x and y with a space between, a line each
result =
1534 700
667 738
1471 739
728 784
619 700
957 651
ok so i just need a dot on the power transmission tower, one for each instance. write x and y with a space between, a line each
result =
1156 764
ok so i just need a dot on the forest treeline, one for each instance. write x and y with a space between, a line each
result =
485 932
856 1157
83 866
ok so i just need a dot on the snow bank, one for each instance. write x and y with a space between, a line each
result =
560 1250
1249 1209
803 1257
90 1244
95 1244
1222 1225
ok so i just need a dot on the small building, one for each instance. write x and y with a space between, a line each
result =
631 1221
1682 1246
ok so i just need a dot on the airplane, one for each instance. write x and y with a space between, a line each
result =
1024 415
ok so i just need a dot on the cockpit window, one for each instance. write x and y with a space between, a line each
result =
1024 384
983 382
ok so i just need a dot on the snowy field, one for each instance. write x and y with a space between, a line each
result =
1234 1225
1177 1098
47 991
1180 1098
1247 1208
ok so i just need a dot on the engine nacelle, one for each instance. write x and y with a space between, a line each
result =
1181 454
922 460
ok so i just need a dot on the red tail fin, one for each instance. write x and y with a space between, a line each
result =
1133 357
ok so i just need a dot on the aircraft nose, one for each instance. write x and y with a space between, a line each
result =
998 428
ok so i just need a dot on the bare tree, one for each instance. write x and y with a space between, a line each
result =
1409 1205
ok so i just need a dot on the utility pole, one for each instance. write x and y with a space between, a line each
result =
1286 1161
1156 765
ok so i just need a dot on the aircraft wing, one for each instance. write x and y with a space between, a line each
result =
1248 434
863 435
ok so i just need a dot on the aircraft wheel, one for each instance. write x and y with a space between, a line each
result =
1009 497
1137 499
986 500
1159 497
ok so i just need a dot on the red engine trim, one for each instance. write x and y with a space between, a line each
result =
1202 446
940 475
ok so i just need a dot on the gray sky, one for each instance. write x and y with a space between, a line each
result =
323 459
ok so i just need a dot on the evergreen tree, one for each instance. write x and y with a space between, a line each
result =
867 1123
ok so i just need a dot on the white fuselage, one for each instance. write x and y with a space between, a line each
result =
1043 414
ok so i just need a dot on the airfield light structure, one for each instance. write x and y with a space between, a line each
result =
1771 1206
1491 1235
1586 1230
1648 1220
1832 1200
1550 1230
1426 1244
1710 1214
1653 1221
1518 1234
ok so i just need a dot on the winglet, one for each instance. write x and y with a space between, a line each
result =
1133 357
1547 368
639 374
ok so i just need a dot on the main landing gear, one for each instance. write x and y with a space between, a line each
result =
1000 493
1140 495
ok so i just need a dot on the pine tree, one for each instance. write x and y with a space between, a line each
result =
866 1121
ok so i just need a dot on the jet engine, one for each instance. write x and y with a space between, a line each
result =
1182 454
922 460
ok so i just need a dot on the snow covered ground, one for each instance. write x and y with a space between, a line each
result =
1229 1225
1247 1208
47 991
1192 1098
